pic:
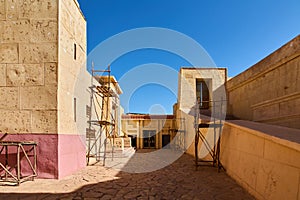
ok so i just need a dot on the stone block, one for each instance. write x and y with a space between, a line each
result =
12 10
248 168
250 144
2 74
33 9
44 121
51 74
39 97
2 10
9 98
9 53
37 53
43 31
15 121
277 181
15 31
281 154
25 74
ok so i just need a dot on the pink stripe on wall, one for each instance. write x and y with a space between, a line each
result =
57 155
71 154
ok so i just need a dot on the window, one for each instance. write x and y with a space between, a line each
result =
75 51
75 109
202 93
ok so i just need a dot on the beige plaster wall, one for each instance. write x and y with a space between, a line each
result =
269 91
73 79
185 107
28 66
264 159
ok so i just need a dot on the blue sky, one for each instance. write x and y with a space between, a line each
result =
236 34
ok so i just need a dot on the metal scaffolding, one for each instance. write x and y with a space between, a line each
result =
14 151
101 131
203 123
178 132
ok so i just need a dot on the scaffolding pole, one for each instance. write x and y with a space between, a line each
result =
105 121
216 124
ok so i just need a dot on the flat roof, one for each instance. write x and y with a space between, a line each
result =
147 116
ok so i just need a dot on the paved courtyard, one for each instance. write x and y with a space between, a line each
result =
179 180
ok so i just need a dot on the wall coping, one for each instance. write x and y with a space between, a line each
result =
283 135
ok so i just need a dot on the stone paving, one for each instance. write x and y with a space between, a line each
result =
179 180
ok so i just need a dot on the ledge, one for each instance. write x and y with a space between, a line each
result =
285 136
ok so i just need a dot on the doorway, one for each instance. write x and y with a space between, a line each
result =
166 139
133 141
149 139
202 93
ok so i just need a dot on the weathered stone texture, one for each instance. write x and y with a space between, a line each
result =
37 98
15 121
12 9
44 30
9 53
37 53
2 10
38 9
9 98
44 121
25 74
28 30
266 92
15 31
51 73
2 75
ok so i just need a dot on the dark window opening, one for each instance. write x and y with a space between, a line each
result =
75 109
202 93
75 51
149 139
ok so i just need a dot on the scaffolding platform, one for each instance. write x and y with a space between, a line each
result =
17 149
103 124
205 122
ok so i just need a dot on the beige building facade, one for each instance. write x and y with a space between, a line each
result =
149 131
44 85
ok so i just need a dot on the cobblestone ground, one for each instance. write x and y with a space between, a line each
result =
179 180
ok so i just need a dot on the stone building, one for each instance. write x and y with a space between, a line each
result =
43 48
44 84
149 131
260 148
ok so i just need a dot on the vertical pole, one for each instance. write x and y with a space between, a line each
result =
18 163
196 124
214 118
35 159
90 116
6 161
220 132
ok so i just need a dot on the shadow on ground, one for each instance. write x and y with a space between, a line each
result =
179 180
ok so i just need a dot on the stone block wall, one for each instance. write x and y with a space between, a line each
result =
262 158
28 72
39 67
269 91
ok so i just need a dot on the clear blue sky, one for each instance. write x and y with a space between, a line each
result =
236 34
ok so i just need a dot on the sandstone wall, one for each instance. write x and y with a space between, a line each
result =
73 80
269 91
262 158
28 66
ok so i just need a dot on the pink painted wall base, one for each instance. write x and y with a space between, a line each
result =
57 155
